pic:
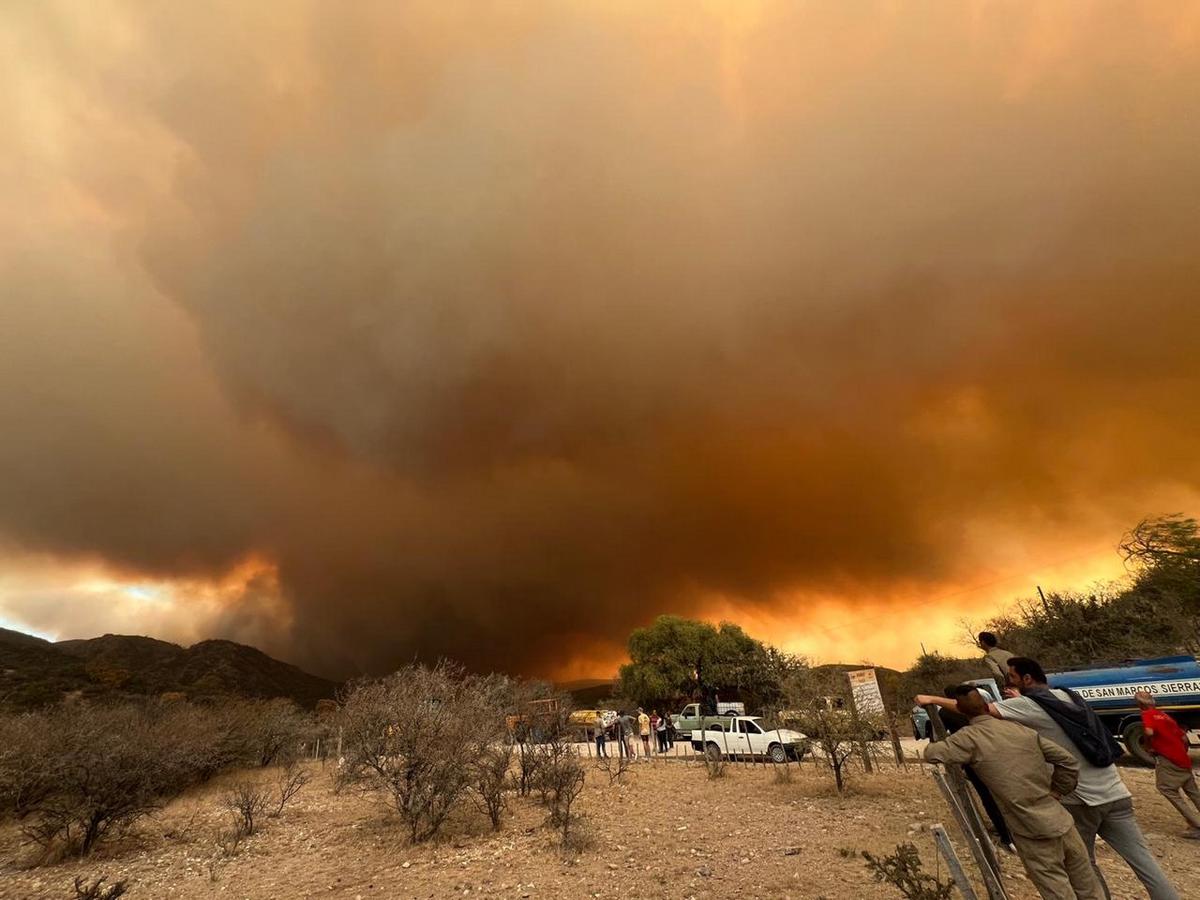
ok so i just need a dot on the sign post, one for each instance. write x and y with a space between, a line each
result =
866 703
864 691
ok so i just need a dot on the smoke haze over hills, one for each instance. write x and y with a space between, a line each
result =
359 332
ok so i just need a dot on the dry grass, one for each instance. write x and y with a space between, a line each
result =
666 831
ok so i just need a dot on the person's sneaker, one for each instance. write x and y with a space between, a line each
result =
1192 834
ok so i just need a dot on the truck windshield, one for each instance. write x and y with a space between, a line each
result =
750 726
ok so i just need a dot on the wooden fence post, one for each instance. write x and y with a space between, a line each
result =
991 877
956 870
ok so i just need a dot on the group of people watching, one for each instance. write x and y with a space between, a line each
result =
1043 764
651 728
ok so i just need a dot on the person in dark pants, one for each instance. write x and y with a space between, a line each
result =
601 737
955 721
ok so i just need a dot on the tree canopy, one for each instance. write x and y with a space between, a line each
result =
1156 614
677 657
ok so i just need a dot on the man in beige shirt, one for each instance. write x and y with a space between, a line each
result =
995 656
1015 763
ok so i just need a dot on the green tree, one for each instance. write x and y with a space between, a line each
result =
1164 556
1070 629
677 657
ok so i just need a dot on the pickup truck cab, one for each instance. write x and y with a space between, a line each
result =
748 736
690 718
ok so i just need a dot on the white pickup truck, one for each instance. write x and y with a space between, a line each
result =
748 736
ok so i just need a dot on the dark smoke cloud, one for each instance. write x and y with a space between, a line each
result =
499 328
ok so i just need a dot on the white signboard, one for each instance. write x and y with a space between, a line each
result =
865 690
1164 689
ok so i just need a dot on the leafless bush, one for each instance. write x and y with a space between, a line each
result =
75 774
614 767
413 737
840 737
97 891
26 781
277 729
247 801
210 739
783 775
561 780
538 714
293 776
558 762
579 838
529 762
490 780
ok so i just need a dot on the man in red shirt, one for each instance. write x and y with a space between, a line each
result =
1173 766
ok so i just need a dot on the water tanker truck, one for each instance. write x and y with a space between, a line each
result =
1109 688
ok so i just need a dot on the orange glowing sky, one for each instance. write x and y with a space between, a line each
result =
365 331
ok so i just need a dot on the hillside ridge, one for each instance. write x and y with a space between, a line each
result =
35 672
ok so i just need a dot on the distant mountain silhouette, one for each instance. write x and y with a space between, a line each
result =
34 672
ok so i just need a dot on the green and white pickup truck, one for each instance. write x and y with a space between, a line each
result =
690 719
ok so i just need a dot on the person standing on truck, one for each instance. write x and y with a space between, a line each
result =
1173 774
1100 804
995 656
1027 774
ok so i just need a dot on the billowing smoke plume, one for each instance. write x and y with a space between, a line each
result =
495 329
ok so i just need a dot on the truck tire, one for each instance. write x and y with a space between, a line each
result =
712 751
1132 737
777 753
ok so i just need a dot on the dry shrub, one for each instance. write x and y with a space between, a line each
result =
563 779
277 728
579 838
715 765
413 737
75 774
97 891
903 871
614 767
247 802
490 780
293 776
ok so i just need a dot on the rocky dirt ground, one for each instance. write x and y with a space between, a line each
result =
668 831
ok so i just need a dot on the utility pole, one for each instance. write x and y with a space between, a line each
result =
1045 605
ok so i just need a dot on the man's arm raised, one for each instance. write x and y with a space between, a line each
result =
952 705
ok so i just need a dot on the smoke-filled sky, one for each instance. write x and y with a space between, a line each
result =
378 330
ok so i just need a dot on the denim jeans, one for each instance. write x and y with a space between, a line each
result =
1115 823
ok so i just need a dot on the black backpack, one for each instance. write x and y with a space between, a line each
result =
1081 724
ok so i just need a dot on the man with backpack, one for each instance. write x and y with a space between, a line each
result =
1100 804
